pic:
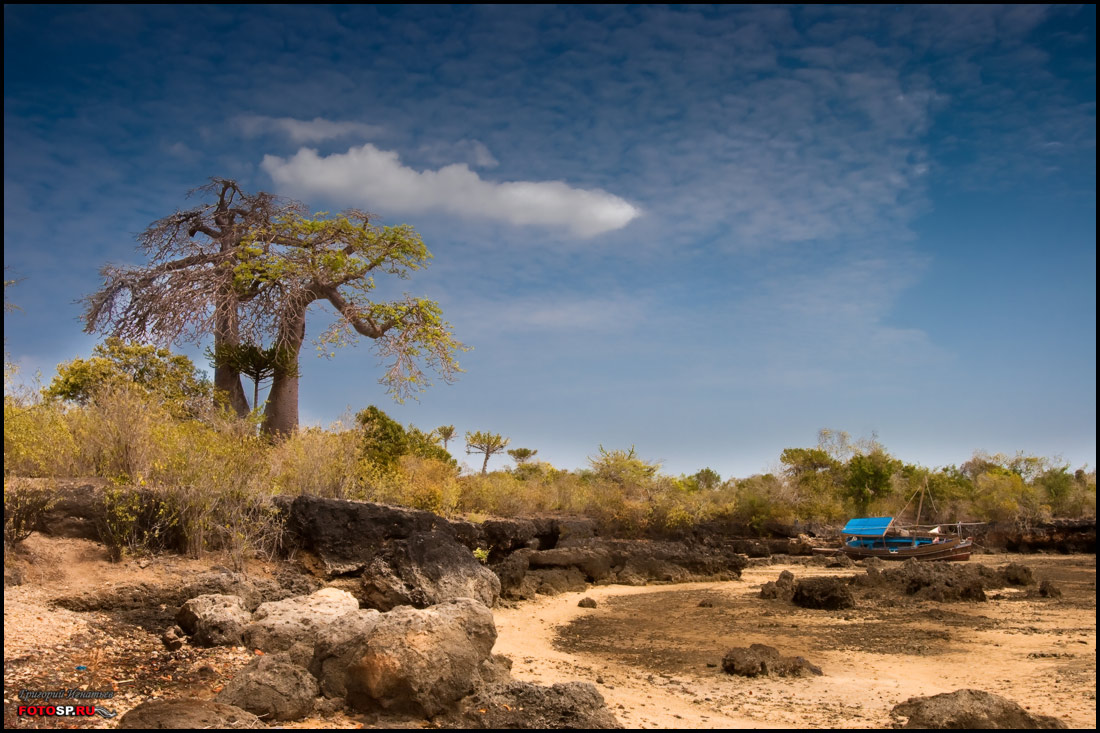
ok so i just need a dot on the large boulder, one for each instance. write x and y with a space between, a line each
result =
425 569
572 531
968 710
187 715
298 622
272 688
761 660
340 646
214 620
421 661
575 705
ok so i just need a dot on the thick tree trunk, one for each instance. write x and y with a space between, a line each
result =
226 323
228 380
281 413
485 465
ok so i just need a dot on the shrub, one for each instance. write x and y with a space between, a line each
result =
38 440
25 504
317 462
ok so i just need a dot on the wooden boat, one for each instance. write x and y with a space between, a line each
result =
880 537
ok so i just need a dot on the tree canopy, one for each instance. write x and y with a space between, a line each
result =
171 378
246 268
522 455
488 443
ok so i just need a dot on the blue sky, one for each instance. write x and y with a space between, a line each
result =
703 232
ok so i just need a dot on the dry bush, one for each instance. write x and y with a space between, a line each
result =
317 462
429 484
39 440
25 504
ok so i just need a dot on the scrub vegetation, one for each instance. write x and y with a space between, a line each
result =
187 473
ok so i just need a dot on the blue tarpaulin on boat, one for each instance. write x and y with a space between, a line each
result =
870 527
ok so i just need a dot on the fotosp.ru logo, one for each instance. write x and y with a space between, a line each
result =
51 709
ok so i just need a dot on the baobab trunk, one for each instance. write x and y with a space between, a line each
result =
281 413
228 380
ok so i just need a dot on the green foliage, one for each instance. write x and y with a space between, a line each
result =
623 468
25 504
869 478
255 362
200 485
802 462
446 433
170 379
426 445
522 455
39 439
384 440
705 479
430 484
344 252
487 443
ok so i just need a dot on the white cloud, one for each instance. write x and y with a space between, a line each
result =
376 179
303 131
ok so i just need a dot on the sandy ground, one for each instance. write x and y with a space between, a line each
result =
655 654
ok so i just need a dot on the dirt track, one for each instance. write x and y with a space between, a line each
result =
655 653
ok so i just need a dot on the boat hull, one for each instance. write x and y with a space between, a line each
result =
952 550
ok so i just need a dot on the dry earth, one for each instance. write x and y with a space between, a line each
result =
653 652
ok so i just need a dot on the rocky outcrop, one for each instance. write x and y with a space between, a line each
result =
969 710
781 588
630 562
140 596
761 660
422 661
340 646
402 556
425 569
515 705
272 688
295 624
1059 535
187 715
505 536
829 594
348 535
76 510
214 620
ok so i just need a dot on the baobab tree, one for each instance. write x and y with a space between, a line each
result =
247 268
487 443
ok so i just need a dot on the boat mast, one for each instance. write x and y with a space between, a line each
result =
920 504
